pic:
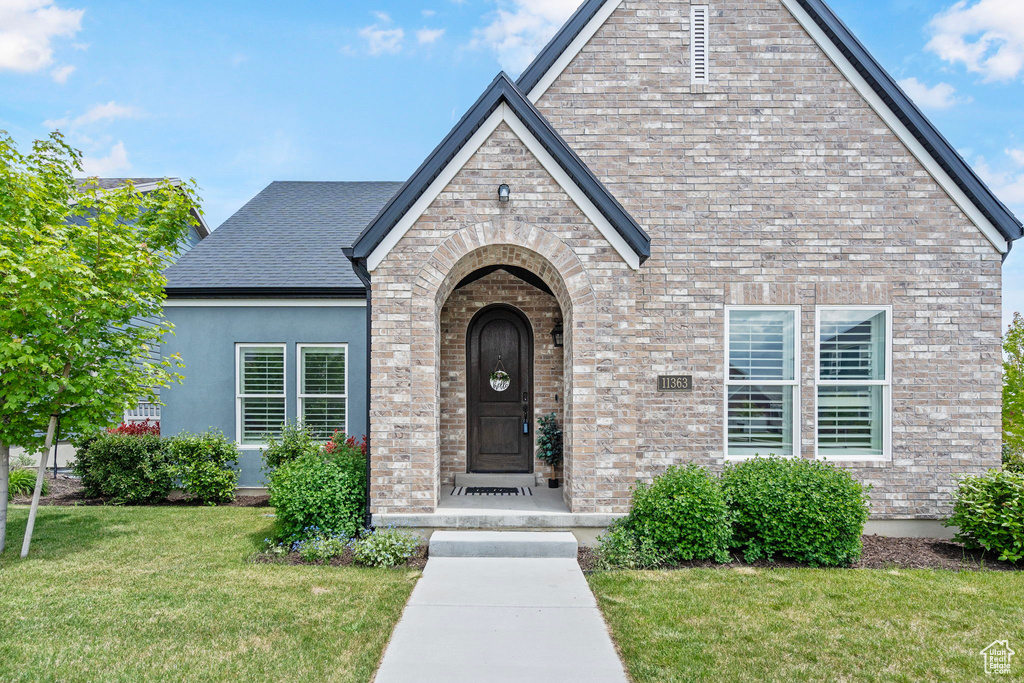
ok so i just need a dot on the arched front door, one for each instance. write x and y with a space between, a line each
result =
500 424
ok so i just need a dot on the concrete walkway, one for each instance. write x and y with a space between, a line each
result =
501 619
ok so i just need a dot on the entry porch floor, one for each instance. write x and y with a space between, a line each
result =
545 509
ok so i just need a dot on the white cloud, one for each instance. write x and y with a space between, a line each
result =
986 36
114 163
425 36
382 40
97 114
27 29
938 96
1006 183
61 73
383 17
520 28
428 13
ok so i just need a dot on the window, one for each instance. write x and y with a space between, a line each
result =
762 381
853 382
699 44
323 397
259 392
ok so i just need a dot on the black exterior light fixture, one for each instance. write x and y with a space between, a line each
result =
558 334
504 193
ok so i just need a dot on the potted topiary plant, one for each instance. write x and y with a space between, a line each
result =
549 445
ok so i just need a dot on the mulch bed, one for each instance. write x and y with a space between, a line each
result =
65 490
417 561
880 552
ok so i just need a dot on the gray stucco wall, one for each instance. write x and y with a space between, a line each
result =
205 336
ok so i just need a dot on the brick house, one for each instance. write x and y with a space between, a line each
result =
733 199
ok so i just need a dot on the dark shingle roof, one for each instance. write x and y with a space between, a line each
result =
285 240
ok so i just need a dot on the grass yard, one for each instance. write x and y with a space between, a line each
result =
167 593
811 624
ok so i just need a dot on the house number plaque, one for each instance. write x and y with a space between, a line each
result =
675 383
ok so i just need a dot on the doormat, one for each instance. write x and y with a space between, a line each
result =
492 491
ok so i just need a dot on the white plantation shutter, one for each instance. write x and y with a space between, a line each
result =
323 394
260 392
853 382
761 391
699 44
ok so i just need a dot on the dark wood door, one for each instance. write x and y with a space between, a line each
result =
500 424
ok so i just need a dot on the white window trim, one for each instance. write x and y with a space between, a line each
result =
238 388
300 371
795 382
886 455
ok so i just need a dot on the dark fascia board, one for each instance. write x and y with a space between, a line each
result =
502 91
265 292
558 44
882 83
918 124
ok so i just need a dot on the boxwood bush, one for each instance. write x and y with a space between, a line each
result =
129 470
990 513
203 463
681 515
321 490
804 510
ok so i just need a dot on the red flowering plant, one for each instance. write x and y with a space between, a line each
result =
341 441
145 428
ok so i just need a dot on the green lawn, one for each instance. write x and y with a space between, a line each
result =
811 625
153 594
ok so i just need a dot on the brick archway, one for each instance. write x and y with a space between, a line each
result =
536 250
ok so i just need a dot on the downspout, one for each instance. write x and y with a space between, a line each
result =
359 266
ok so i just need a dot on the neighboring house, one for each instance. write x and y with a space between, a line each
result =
733 195
144 410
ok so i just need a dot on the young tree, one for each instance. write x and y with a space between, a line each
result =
1013 391
79 270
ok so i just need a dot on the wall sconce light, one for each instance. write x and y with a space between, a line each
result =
558 334
503 193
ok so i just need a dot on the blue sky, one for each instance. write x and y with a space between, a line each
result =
237 94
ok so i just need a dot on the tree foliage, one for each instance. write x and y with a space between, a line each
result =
1013 389
79 269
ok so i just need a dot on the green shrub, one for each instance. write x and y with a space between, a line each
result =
203 463
296 441
682 513
384 548
990 513
128 469
1013 459
621 548
322 490
22 482
805 510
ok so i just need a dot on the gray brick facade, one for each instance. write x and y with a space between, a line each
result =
775 183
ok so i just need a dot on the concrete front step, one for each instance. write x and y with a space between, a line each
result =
466 479
535 544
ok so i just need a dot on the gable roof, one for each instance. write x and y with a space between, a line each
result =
502 92
142 185
283 242
591 15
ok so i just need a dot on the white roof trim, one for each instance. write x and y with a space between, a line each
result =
503 113
569 53
901 131
843 64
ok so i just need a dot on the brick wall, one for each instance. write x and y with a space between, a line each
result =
542 310
776 183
